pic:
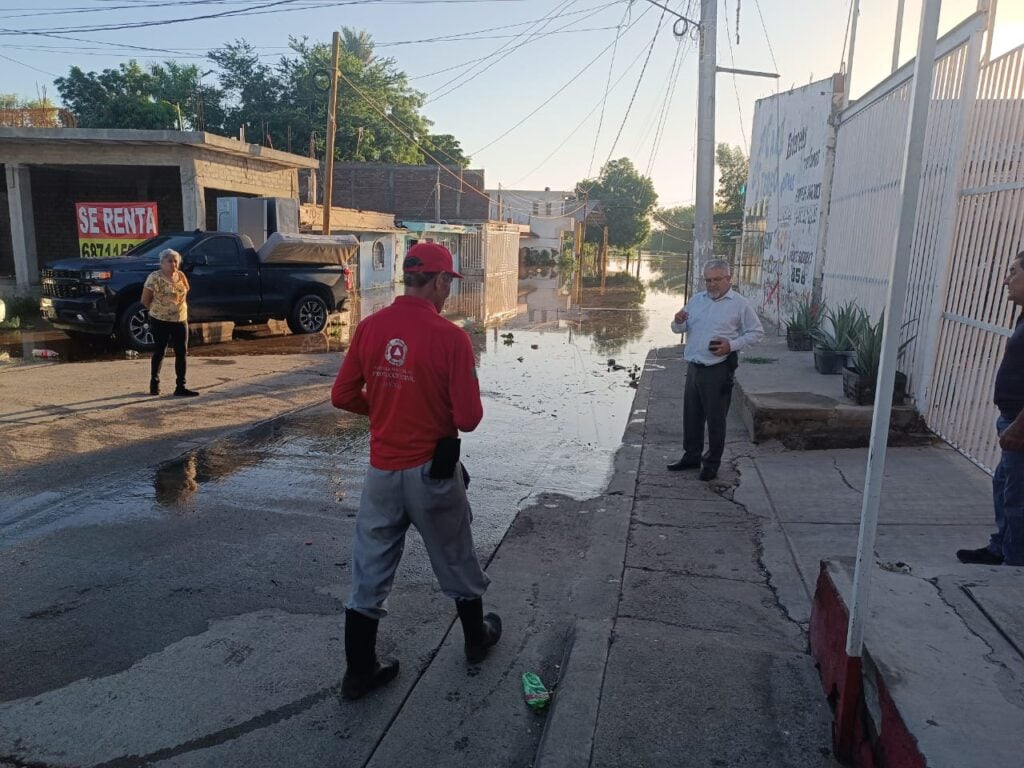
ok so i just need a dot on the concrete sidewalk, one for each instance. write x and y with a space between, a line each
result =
703 661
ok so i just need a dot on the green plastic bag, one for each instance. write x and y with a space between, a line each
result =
537 696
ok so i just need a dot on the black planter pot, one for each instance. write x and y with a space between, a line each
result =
799 341
861 389
830 362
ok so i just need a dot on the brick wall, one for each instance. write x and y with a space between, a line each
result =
6 248
56 190
246 175
408 191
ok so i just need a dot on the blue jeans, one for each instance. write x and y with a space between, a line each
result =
1008 501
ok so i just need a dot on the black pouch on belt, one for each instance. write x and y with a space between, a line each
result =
446 456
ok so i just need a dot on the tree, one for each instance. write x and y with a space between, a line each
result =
358 43
627 199
673 230
447 149
732 179
133 97
280 104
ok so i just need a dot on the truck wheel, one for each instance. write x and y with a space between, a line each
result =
308 315
133 329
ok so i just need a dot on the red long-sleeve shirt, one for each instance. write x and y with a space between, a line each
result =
414 373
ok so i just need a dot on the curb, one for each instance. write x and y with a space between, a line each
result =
571 724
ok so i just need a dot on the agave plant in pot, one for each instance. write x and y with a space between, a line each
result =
861 376
802 324
833 349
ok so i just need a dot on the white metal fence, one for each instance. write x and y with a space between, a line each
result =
969 226
866 193
989 231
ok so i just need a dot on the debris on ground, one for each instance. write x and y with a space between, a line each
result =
537 696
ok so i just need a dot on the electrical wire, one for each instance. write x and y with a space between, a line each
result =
659 133
543 104
465 184
767 37
735 85
22 63
531 35
604 101
639 79
581 122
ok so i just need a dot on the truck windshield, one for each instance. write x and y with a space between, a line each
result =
153 246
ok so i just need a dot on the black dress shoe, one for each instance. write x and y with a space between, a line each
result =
684 463
183 392
982 556
707 474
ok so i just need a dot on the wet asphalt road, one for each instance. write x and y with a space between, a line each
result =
189 613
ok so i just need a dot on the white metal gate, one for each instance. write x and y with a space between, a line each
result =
865 192
989 232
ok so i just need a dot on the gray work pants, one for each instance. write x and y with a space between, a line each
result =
706 400
440 511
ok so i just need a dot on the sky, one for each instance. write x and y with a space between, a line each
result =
533 112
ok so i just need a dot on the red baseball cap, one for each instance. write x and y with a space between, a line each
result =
429 257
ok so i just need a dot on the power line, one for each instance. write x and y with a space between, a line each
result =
659 133
650 49
498 58
22 63
463 183
273 6
767 37
579 125
543 104
604 101
735 85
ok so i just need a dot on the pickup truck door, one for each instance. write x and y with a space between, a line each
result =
225 285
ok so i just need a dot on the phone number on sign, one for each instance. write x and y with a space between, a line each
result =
96 249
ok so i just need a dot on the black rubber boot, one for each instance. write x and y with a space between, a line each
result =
154 386
364 672
480 632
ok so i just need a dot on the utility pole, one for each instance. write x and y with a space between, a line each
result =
853 41
437 196
604 259
332 129
703 221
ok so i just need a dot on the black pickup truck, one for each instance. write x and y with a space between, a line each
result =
229 280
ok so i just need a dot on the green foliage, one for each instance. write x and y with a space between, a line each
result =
673 232
13 101
446 149
868 348
133 97
847 324
627 199
733 168
280 104
806 317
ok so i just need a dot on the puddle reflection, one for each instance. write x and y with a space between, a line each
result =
176 482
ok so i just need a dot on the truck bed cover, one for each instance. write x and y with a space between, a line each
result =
308 249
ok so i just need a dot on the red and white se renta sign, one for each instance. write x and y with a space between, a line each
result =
110 229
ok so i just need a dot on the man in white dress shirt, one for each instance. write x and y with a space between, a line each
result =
718 323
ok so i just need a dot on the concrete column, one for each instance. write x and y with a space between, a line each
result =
193 203
23 225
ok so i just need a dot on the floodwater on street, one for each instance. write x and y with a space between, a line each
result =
557 374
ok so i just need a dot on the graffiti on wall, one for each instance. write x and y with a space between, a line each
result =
783 211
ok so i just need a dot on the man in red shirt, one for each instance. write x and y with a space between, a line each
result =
413 372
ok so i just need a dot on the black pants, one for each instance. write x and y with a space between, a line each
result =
706 400
177 334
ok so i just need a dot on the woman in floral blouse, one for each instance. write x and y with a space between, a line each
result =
164 296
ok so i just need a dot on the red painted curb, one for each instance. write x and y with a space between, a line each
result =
856 739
